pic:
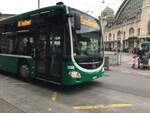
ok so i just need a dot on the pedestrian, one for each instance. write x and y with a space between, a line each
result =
135 62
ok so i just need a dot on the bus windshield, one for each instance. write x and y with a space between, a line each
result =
88 40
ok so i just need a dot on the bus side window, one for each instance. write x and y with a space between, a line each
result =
25 46
22 46
10 47
30 46
41 47
5 45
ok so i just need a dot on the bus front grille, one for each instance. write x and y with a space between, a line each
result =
89 65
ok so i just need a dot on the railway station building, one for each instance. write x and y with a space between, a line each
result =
128 27
3 16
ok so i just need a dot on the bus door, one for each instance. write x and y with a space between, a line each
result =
55 40
41 55
49 54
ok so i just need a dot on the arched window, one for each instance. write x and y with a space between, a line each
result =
109 36
114 37
119 39
131 32
119 35
138 31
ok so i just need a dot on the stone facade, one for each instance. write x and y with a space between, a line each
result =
3 16
130 27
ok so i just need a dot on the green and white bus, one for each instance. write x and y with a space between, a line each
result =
57 44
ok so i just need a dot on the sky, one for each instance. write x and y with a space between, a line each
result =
93 7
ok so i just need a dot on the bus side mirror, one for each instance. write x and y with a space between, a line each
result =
77 22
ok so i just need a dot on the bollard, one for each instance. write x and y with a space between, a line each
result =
106 64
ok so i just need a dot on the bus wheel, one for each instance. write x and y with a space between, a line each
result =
24 72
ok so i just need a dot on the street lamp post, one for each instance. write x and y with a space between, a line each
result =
38 4
118 49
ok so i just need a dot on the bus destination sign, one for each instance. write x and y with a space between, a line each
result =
24 23
89 23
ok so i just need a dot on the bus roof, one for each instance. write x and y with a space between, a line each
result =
19 17
28 14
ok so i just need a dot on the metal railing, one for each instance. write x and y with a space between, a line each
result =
112 59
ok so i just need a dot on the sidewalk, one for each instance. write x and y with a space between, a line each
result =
5 107
125 67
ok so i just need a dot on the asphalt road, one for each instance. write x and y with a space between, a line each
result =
117 92
131 83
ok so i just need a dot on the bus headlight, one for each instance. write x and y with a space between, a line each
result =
103 69
74 74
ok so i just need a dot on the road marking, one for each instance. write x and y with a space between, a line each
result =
101 106
49 109
54 96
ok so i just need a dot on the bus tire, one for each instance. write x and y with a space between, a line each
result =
24 71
